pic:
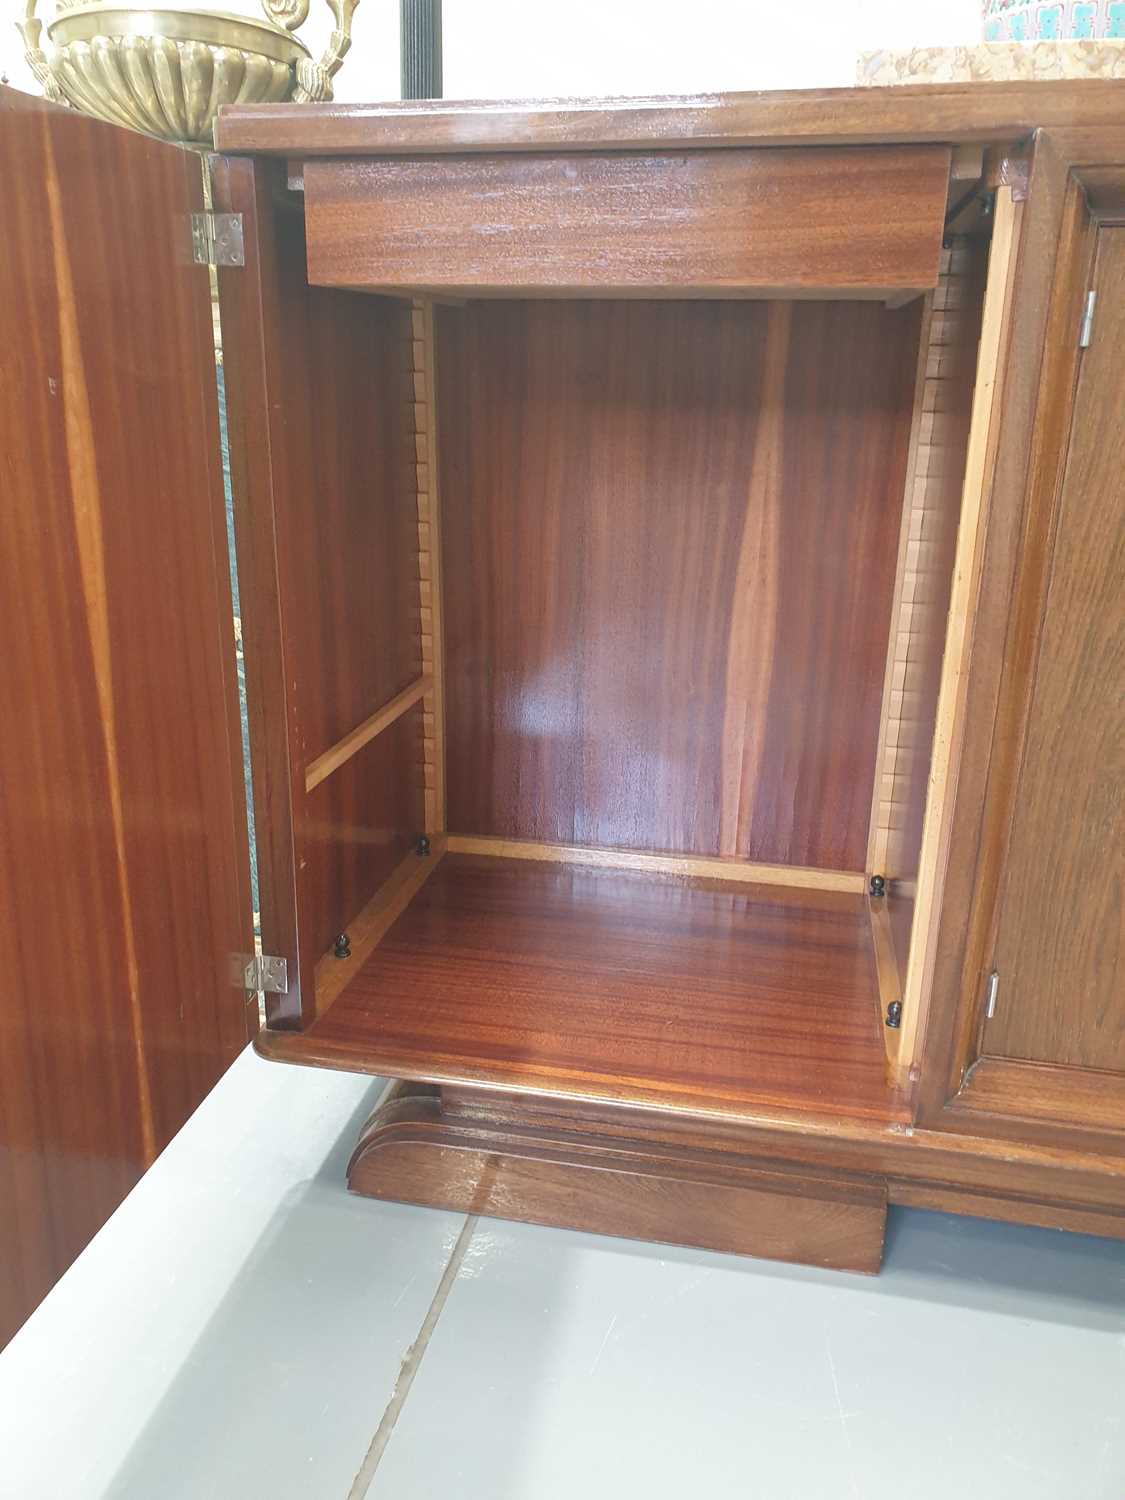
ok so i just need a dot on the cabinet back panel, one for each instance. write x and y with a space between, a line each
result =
670 537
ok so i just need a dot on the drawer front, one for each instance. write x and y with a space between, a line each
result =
842 221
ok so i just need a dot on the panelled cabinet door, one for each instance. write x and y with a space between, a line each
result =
124 889
1050 1029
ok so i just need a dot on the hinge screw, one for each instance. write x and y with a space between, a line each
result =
878 886
894 1014
422 847
343 948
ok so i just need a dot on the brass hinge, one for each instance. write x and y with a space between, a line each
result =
216 240
1087 326
259 971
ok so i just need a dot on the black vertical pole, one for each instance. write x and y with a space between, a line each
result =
420 48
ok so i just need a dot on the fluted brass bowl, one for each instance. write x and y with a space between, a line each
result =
166 71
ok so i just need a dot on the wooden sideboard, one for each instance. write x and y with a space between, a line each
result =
679 551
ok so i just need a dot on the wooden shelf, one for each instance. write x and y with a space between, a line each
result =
610 983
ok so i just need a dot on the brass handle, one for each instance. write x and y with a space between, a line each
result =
30 28
314 79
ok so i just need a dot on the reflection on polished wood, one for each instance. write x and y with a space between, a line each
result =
693 994
124 879
415 1150
643 650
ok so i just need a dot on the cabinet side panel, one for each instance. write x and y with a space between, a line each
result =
321 394
930 520
669 548
123 867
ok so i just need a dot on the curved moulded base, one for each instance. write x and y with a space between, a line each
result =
481 1154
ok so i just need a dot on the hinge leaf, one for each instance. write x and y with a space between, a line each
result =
216 240
259 971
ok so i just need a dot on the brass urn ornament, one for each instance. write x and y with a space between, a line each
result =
165 70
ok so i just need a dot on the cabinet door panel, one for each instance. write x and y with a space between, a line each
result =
324 467
124 878
1060 938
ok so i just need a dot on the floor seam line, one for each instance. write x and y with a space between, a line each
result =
365 1475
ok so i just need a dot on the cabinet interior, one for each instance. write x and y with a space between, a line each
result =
636 610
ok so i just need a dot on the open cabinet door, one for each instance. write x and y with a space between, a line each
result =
326 465
124 872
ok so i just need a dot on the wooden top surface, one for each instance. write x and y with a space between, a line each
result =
922 112
607 983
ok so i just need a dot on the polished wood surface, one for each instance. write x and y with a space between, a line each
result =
622 985
1060 941
661 864
999 317
325 494
1028 1184
366 930
861 221
322 767
924 112
1057 1093
1034 423
643 648
412 1151
931 517
122 825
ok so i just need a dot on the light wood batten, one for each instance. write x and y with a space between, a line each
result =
322 767
366 930
429 559
741 872
887 972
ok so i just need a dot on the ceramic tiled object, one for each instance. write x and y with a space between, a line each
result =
1052 20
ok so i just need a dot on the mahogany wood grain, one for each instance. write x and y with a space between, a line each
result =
523 1158
367 929
1010 1209
322 767
1060 940
412 1152
862 221
358 826
1025 1182
326 516
123 859
924 112
1058 1093
635 987
644 647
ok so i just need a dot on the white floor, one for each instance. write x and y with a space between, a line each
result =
242 1328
